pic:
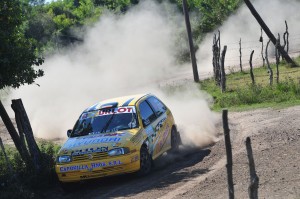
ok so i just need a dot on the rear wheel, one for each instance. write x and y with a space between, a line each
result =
175 140
145 162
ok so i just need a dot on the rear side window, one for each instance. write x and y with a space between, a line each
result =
157 105
147 113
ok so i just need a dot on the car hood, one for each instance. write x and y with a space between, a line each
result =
97 142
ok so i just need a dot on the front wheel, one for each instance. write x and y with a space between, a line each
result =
145 162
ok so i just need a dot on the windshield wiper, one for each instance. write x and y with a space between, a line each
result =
107 124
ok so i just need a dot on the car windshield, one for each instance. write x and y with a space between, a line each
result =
105 120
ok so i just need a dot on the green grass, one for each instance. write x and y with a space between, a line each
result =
241 94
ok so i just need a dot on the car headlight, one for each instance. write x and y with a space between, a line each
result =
118 151
64 159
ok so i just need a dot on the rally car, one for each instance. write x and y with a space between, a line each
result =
116 136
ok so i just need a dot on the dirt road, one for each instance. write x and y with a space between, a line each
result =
201 173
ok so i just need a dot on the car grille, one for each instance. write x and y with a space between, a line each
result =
85 157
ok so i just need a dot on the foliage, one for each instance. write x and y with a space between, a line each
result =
53 24
17 53
22 178
210 14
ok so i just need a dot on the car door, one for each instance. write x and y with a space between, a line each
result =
148 118
160 125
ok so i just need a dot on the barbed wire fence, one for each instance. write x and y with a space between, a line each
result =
233 59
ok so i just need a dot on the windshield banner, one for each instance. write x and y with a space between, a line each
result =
109 111
117 110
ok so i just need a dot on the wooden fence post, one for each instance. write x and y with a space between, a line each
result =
19 109
254 180
228 154
277 55
269 33
214 62
241 65
14 135
262 46
286 37
268 64
223 74
216 58
251 68
192 50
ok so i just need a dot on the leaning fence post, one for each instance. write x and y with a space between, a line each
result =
34 150
254 180
228 154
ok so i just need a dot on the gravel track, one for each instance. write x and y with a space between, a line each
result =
201 173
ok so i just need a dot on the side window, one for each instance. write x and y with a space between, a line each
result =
157 105
147 114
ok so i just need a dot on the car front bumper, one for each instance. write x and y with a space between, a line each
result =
72 172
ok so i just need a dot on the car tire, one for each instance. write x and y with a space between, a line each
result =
175 140
145 162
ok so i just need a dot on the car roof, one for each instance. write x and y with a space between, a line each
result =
120 101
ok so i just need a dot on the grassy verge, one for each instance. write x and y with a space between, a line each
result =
21 182
242 95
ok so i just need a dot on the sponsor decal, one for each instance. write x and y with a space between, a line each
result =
160 124
106 134
162 141
117 110
89 168
91 140
89 150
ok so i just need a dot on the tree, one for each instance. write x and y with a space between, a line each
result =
18 54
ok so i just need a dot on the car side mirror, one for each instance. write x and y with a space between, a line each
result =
69 132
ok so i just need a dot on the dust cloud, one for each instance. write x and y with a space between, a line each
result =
121 55
243 25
